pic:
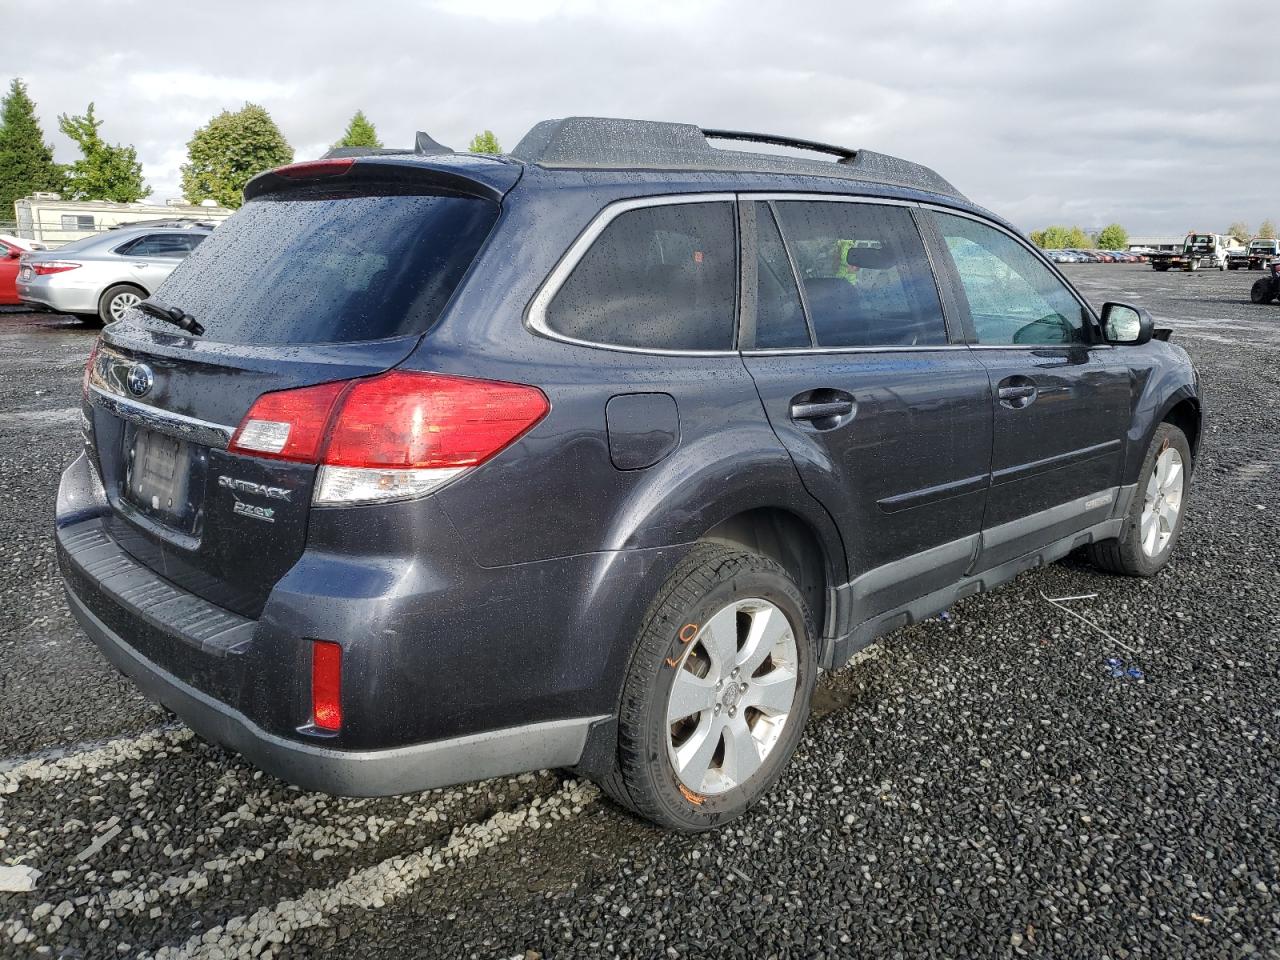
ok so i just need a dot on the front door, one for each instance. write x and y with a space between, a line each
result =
1062 397
887 421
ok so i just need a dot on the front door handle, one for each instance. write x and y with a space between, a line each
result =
816 411
1017 392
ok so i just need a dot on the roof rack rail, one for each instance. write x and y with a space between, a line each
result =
844 153
424 145
615 144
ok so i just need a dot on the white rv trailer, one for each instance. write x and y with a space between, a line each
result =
47 218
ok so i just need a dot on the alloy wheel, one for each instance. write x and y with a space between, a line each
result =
734 689
122 302
1162 503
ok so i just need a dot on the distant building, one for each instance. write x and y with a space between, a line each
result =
47 218
1163 244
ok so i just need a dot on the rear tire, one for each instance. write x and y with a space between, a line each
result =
730 638
1153 522
115 300
1262 291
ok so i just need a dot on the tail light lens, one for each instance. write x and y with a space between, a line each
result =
326 685
397 435
333 167
46 267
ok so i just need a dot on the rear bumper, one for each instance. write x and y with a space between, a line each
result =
59 295
450 673
355 773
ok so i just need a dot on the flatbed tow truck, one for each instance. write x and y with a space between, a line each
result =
1259 253
1200 251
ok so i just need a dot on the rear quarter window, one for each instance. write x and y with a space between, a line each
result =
658 278
317 266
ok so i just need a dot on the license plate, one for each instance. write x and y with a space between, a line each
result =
157 476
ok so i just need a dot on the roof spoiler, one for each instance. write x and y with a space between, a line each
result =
424 145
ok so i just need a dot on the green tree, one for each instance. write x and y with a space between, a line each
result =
485 143
1056 237
104 171
360 133
1239 231
1267 231
228 151
26 161
1113 237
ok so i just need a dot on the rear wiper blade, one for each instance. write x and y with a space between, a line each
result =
175 315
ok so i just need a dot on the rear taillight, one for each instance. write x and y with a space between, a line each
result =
326 685
397 435
1275 268
46 267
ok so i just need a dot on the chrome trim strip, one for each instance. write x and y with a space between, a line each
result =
536 315
907 348
163 421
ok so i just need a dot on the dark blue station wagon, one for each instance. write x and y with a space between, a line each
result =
427 467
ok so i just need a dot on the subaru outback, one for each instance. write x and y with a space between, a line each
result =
428 467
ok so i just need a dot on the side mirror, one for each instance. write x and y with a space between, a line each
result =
1124 325
14 254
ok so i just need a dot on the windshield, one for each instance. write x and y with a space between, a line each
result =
316 266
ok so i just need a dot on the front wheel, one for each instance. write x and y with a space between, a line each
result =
718 690
1262 291
1153 522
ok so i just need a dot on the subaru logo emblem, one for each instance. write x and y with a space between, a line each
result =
140 379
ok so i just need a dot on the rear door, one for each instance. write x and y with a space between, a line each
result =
887 420
307 284
1062 398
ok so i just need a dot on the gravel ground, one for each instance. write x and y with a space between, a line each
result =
980 785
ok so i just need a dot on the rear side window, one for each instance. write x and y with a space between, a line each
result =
162 245
657 278
867 280
317 266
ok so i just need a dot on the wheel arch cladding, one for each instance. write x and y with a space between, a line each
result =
1184 413
791 542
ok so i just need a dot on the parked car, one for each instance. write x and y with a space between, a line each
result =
1087 256
1267 289
104 275
9 256
429 467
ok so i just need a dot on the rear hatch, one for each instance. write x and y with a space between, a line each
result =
331 271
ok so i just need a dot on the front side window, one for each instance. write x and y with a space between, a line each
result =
1014 298
865 274
657 278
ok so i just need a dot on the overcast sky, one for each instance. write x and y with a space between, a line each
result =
1071 111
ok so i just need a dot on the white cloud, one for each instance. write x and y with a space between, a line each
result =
1043 112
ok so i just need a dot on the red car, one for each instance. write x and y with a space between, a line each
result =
9 255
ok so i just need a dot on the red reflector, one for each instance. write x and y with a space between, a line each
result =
316 168
326 685
423 420
287 424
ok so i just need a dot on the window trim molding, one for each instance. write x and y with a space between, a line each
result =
536 315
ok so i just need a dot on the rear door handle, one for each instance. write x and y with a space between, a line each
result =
817 410
1017 392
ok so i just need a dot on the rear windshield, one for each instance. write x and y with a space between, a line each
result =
320 267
